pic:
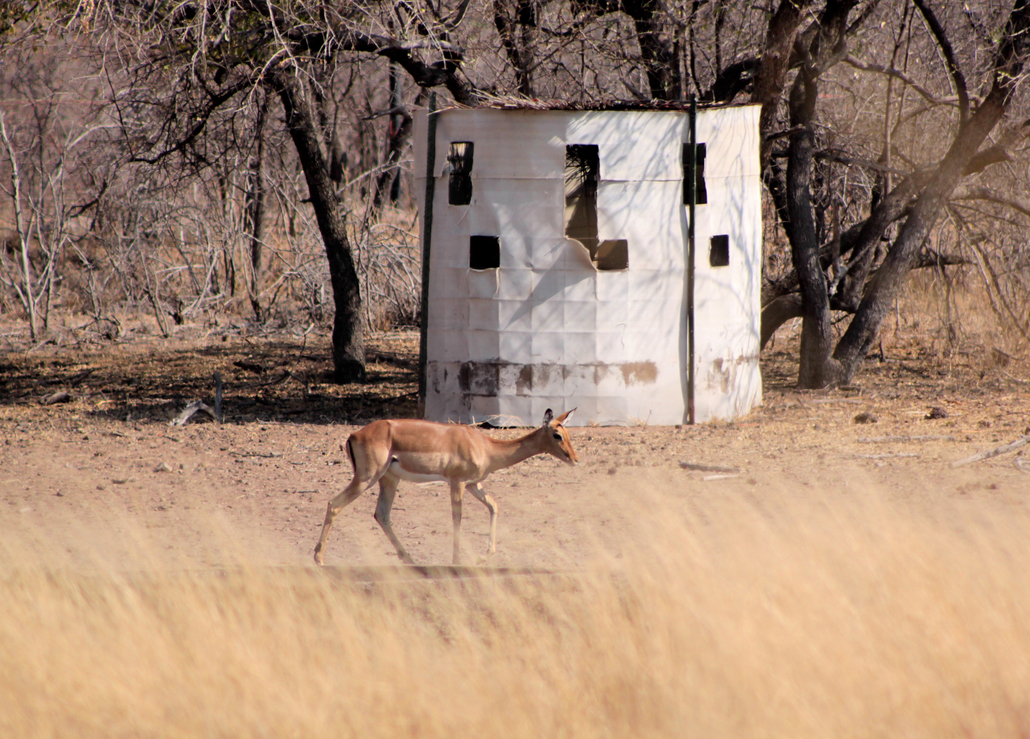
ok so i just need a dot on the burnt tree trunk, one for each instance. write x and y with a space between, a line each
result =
302 123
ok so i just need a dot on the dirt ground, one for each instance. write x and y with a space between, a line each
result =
92 472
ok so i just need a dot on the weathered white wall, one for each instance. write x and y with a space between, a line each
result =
727 301
547 329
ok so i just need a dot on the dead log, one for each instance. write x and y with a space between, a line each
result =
58 397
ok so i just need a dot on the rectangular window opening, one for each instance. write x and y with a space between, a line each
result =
484 252
582 172
613 254
459 157
719 251
699 174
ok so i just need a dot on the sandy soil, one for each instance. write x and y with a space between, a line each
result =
100 477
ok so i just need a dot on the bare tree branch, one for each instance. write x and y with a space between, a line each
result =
944 44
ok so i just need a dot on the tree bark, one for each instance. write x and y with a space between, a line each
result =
822 49
348 331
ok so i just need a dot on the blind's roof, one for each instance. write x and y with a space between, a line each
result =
517 103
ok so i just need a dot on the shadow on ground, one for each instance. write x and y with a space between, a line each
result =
288 378
263 379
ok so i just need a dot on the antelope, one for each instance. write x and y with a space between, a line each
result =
391 450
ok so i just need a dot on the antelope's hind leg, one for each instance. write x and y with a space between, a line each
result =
387 493
484 497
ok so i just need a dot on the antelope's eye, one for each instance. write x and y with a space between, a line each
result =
558 437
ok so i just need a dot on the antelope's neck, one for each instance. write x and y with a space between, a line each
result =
507 452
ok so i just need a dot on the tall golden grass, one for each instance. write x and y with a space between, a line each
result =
808 616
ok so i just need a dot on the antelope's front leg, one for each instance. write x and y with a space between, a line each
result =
457 490
484 497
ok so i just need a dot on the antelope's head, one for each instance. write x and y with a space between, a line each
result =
557 442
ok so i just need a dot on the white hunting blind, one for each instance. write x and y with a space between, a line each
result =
563 271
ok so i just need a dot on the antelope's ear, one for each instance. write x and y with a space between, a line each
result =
565 417
548 417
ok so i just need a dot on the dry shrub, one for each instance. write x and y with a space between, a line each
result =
953 316
389 263
812 615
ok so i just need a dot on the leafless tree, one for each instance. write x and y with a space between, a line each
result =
46 141
191 69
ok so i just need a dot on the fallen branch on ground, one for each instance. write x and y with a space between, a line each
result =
887 439
885 456
708 467
993 452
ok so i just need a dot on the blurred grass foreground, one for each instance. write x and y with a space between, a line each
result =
815 616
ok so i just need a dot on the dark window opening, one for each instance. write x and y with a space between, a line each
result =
613 254
719 252
484 252
459 157
582 171
699 174
582 175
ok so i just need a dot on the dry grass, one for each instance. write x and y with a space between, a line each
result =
814 615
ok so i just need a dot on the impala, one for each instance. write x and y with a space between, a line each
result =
389 451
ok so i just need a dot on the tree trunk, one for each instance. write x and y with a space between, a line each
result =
515 26
255 213
348 332
398 136
24 234
772 71
661 58
817 368
886 284
778 311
